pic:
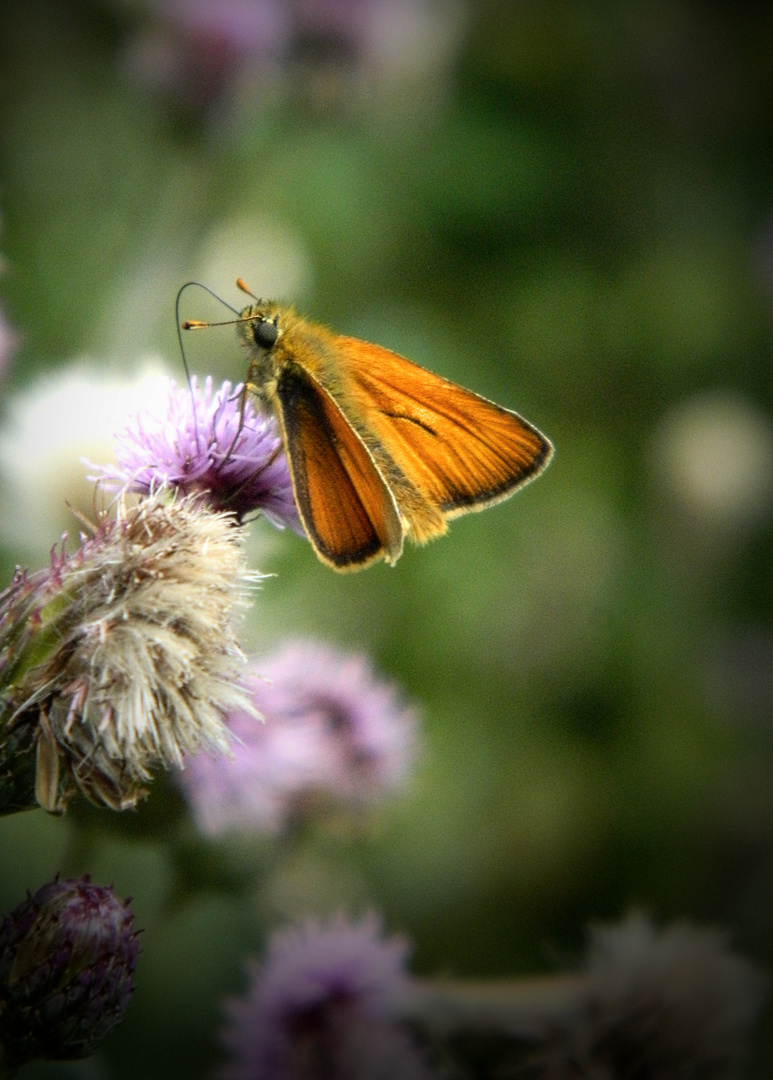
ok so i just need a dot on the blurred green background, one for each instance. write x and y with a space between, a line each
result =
568 207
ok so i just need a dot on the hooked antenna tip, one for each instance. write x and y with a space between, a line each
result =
241 284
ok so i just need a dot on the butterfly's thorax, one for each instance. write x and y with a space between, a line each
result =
298 342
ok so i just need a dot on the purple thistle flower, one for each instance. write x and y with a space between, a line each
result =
67 957
232 52
249 28
199 441
201 50
324 1004
331 727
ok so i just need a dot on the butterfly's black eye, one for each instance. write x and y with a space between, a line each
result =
265 333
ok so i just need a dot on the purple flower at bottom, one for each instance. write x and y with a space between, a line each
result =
200 441
331 726
324 1005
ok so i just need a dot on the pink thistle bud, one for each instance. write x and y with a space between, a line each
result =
67 957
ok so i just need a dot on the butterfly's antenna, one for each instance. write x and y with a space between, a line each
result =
180 327
194 325
197 324
240 284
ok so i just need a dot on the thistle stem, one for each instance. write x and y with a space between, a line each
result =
528 1007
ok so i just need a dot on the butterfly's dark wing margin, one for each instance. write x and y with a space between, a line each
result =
347 509
461 450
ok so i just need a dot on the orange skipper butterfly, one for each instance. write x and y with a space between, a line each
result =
379 449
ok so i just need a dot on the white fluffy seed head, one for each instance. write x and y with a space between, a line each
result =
142 661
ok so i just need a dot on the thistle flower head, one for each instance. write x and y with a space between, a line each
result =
214 444
122 657
331 727
67 957
324 1005
207 53
671 1005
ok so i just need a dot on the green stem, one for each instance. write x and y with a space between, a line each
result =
529 1007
